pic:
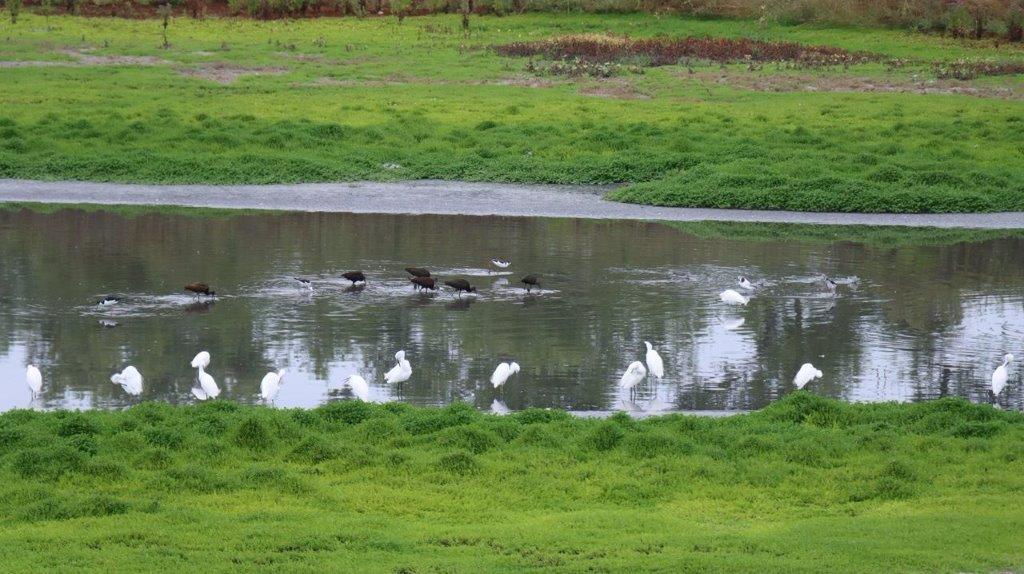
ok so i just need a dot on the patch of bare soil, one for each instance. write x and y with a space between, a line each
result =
225 73
84 58
618 88
807 83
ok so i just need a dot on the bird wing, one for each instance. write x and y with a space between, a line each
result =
655 364
500 374
392 375
266 385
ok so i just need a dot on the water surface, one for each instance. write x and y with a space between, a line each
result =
915 317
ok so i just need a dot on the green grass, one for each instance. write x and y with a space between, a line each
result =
806 485
371 99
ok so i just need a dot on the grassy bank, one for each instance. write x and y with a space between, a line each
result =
239 101
806 485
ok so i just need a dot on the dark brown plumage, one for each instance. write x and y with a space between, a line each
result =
418 271
199 289
460 285
355 276
531 281
424 283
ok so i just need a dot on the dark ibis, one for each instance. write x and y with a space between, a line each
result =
200 289
460 285
531 281
418 271
424 283
355 277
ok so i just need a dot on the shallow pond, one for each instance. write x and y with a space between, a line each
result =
917 314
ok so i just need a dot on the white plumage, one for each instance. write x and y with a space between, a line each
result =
201 360
360 388
806 374
500 263
1000 374
207 388
503 372
746 284
635 373
731 297
130 380
654 363
34 379
271 385
400 372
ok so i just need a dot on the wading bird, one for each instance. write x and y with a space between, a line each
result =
999 375
423 283
360 388
635 373
198 289
34 380
746 284
806 374
400 372
108 300
460 285
418 271
207 388
731 297
830 285
503 372
271 385
130 380
500 263
654 363
307 283
355 277
531 281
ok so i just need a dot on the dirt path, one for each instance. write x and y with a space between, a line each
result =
454 198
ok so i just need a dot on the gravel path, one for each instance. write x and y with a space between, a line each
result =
455 198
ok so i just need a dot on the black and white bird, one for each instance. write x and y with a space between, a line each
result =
307 283
500 263
746 284
108 300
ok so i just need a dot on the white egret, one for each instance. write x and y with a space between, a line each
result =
34 379
746 284
201 360
635 373
503 372
130 380
400 372
654 363
207 388
806 374
360 388
999 375
271 385
731 297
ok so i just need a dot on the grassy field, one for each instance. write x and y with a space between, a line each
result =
807 485
234 101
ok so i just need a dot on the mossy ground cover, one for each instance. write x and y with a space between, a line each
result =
806 485
241 101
